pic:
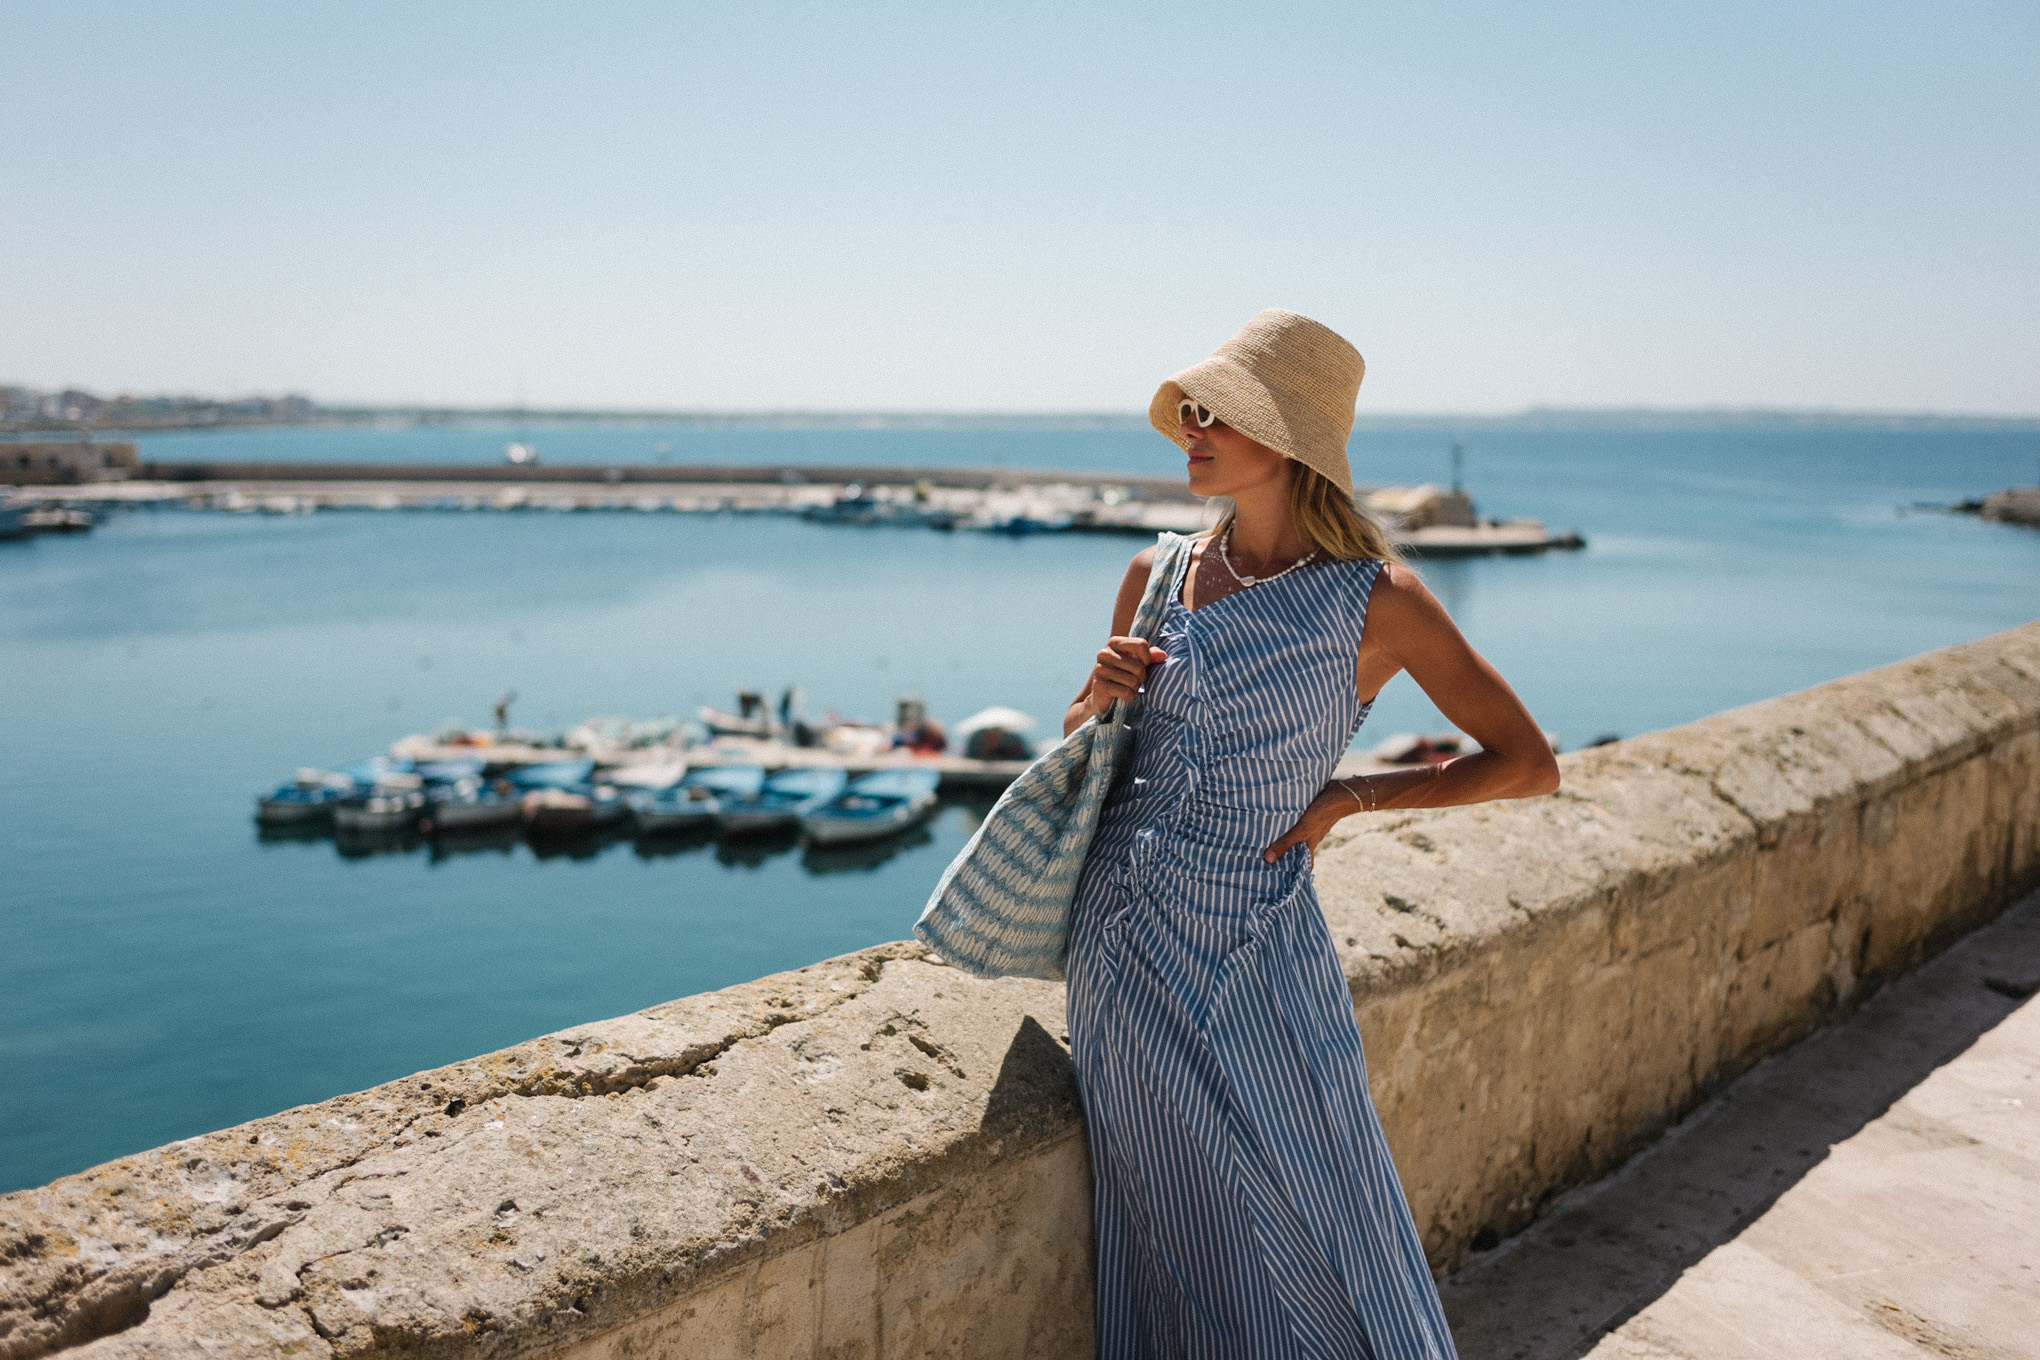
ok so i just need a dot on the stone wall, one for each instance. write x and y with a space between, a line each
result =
875 1156
64 463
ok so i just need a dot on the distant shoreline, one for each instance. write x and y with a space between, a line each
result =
1536 418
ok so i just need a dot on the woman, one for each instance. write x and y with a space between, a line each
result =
1246 1203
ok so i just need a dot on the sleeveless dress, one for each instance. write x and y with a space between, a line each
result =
1246 1206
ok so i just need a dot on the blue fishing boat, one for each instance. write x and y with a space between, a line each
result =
692 804
308 798
392 802
568 809
784 799
450 771
882 803
558 774
470 804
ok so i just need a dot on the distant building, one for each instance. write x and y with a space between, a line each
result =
65 464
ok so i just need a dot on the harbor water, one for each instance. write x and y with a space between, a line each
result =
166 970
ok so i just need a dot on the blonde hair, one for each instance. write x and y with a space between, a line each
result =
1332 521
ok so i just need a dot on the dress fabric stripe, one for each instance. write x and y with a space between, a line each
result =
1247 1207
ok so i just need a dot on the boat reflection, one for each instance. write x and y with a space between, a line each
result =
748 852
863 856
578 843
501 840
670 844
373 842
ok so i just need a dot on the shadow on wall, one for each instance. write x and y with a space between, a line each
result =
1037 1074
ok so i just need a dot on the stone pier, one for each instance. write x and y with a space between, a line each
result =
875 1156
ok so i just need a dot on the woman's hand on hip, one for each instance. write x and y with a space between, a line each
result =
1325 810
1122 665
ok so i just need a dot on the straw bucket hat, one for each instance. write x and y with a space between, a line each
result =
1284 381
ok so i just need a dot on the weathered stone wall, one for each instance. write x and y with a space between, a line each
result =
64 463
875 1156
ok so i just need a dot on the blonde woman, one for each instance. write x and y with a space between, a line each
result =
1246 1203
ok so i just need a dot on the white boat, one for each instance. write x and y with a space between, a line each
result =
875 805
784 799
693 803
517 453
648 775
723 724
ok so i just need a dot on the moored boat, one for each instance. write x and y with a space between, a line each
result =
646 775
390 803
781 802
565 810
558 774
470 804
882 803
451 771
693 802
310 797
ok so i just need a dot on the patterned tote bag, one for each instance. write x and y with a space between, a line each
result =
1002 908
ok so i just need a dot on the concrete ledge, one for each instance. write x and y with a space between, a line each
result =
876 1156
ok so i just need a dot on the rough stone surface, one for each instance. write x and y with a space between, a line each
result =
1917 1237
1613 1249
876 1156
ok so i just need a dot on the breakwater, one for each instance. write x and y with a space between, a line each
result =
1424 520
875 1155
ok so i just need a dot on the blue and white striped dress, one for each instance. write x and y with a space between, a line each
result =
1246 1203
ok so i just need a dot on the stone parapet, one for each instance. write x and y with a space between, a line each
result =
876 1156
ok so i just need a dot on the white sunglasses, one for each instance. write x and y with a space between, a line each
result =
1188 410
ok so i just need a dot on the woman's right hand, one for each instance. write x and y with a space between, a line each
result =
1122 666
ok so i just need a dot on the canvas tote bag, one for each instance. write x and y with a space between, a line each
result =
1002 908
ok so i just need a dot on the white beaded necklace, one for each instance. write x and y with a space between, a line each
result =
1244 581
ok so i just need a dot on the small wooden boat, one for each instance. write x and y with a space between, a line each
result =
56 519
647 775
391 803
692 804
558 774
310 797
557 810
451 771
723 724
470 804
882 803
783 800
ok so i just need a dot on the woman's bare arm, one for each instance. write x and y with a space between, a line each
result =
1122 663
1408 630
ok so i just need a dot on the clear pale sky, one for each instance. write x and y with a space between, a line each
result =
969 207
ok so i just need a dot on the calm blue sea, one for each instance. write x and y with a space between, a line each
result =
166 971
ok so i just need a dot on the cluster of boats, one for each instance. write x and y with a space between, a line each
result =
568 797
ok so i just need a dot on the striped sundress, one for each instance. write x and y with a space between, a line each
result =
1246 1203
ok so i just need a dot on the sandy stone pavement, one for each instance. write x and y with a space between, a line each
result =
1755 1233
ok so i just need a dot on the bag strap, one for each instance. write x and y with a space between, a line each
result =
1154 601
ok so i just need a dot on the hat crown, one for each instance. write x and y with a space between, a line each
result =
1305 359
1285 381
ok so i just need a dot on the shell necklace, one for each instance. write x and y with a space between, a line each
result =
1245 581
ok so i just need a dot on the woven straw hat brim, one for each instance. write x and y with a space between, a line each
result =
1284 381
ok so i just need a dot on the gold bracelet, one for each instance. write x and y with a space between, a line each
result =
1371 801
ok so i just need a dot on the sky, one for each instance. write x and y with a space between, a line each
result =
1022 208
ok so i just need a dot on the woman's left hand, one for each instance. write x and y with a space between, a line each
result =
1326 809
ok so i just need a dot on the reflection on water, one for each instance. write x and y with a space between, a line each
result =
499 840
